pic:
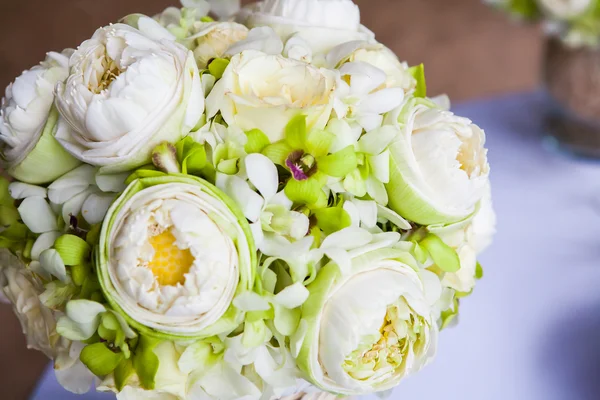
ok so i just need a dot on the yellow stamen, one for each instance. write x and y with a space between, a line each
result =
170 263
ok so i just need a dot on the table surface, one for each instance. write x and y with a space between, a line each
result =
531 329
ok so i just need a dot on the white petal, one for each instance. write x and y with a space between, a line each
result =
347 239
20 190
262 173
393 217
84 311
382 101
111 182
72 207
153 29
247 199
257 233
250 301
341 258
76 379
42 243
71 184
51 262
96 205
37 215
367 211
292 296
263 39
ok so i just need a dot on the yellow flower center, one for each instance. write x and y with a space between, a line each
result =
170 263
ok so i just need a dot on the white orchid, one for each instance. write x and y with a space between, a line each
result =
361 98
268 210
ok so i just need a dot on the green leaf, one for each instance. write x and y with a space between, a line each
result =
72 249
100 359
278 152
145 362
338 164
123 372
332 219
295 132
443 255
257 141
305 192
217 67
319 142
418 72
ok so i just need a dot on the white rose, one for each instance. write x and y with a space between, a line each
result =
261 91
368 328
22 289
126 94
27 123
439 169
214 38
397 73
565 9
323 24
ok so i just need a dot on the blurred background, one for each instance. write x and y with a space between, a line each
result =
469 50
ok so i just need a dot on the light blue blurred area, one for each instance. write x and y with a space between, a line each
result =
531 330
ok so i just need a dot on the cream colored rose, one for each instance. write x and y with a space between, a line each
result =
261 91
214 38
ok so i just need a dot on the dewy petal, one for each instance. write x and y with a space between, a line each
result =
37 215
262 173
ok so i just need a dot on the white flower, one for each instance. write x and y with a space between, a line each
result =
27 123
363 96
125 94
439 169
323 24
175 257
70 372
22 289
565 9
369 328
261 91
214 38
269 211
397 73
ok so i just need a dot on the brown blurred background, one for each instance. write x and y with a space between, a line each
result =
469 51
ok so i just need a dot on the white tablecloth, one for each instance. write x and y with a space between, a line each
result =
531 330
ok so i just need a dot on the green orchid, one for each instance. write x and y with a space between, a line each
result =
307 156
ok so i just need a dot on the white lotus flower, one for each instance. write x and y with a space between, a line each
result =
174 251
323 24
397 73
23 289
28 121
369 328
362 95
565 9
127 93
439 169
268 211
261 91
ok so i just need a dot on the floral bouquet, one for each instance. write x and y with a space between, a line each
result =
250 209
576 22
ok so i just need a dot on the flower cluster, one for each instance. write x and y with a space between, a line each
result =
251 208
576 22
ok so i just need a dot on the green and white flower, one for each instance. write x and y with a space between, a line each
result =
281 89
322 24
125 94
28 123
174 251
566 9
367 328
439 169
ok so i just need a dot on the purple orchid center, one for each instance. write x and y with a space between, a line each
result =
302 165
